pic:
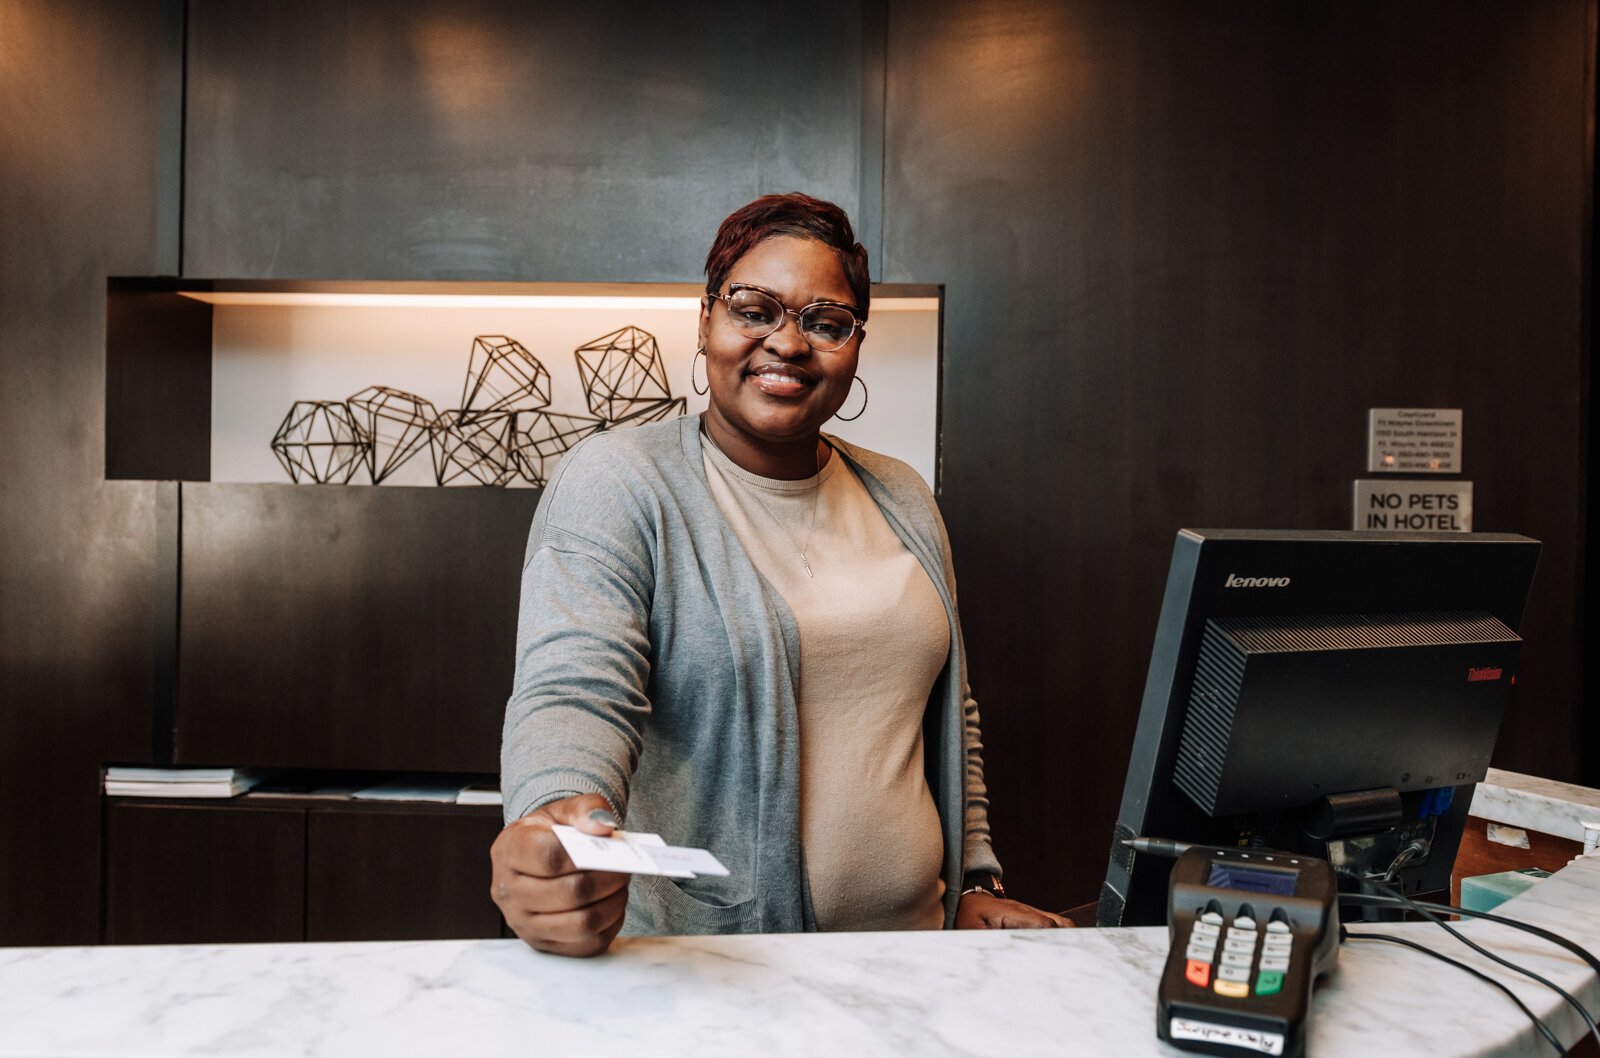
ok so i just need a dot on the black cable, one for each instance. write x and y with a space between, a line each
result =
1538 931
1411 850
1544 1030
1398 899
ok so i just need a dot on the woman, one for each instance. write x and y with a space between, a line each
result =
742 635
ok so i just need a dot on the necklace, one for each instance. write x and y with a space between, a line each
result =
755 490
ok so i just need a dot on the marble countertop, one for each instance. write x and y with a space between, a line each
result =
1543 805
1086 991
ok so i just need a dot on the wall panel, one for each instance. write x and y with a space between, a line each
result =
1186 246
89 105
347 626
505 140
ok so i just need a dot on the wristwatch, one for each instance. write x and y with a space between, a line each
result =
986 883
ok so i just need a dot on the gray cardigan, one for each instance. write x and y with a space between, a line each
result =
656 667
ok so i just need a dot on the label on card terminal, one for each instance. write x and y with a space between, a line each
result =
1226 1035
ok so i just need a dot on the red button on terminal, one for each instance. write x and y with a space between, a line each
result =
1198 972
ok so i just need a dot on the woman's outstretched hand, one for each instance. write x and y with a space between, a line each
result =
547 901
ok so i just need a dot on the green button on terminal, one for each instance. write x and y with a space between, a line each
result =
1269 983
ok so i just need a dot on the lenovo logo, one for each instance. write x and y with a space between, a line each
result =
1480 675
1236 581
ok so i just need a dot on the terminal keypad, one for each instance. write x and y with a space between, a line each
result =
1221 954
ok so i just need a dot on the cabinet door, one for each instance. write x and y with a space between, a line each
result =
406 874
196 874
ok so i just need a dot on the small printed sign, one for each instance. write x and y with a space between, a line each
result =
1414 440
1414 506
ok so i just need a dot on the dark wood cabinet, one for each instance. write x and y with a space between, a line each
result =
400 874
291 869
188 873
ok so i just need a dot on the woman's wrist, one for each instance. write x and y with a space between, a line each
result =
984 883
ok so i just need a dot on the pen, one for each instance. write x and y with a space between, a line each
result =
1158 846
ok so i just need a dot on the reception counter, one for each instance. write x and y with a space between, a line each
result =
1055 992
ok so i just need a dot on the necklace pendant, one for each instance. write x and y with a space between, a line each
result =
807 565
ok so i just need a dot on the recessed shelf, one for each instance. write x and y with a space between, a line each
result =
200 373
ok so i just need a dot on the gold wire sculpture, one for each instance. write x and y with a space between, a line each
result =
476 444
501 373
397 425
621 372
501 431
543 437
320 441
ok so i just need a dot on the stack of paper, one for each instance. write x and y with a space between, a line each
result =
479 794
442 787
414 786
179 782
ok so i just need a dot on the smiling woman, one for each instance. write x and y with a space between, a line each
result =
772 383
741 633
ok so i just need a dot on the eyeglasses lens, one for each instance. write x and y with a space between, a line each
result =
756 315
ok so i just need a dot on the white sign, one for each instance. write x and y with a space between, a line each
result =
1259 1040
1414 440
1414 506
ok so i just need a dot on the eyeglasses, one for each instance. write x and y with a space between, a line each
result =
826 326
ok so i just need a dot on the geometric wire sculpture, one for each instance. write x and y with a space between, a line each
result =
503 374
501 430
621 372
320 441
397 425
542 437
477 444
652 411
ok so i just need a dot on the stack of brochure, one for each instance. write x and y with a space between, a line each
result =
487 793
441 788
179 782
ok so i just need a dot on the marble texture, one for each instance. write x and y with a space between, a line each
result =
1089 992
1543 805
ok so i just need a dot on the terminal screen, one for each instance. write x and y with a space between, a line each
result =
1252 879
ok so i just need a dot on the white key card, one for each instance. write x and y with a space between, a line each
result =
629 853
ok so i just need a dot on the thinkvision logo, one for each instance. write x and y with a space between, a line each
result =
1236 581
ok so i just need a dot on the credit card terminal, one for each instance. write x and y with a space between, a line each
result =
1250 929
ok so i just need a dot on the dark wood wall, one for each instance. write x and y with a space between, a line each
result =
89 108
497 139
1185 248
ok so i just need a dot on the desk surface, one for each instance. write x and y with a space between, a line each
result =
1544 805
1087 991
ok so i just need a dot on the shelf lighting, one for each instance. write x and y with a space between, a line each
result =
372 300
280 299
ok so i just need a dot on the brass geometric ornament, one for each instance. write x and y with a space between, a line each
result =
397 425
503 428
501 373
320 441
622 371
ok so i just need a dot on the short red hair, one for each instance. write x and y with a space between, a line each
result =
797 215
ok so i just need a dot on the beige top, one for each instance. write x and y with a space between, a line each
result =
873 638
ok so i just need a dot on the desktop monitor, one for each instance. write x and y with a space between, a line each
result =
1331 693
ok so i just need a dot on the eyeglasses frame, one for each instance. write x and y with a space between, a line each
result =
859 325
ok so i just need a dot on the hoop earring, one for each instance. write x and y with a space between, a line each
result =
694 383
864 398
